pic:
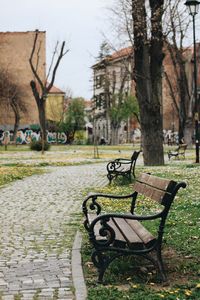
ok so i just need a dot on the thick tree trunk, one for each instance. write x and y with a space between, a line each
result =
42 119
189 132
147 74
16 127
17 119
41 104
114 135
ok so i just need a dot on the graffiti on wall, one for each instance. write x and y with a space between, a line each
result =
28 136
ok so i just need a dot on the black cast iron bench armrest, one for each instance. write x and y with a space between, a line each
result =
106 217
122 160
122 167
91 205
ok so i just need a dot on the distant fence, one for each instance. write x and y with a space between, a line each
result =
28 136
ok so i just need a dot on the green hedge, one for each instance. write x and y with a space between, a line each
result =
37 146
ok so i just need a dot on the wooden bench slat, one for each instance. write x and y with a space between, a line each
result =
119 239
149 191
133 240
160 183
147 238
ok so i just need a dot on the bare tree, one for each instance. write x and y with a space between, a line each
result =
41 88
178 82
11 95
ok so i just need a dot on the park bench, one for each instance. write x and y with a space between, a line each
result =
117 234
179 152
122 167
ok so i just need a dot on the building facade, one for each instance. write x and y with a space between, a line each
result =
116 69
55 105
112 76
15 51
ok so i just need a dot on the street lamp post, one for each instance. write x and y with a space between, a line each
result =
193 7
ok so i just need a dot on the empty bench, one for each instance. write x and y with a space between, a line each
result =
116 234
179 152
122 167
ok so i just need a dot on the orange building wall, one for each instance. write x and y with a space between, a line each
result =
15 50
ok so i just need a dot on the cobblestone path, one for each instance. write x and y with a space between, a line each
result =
35 236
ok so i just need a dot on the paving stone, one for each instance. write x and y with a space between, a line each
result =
34 215
3 283
8 297
14 286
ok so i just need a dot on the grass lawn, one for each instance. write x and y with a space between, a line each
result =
13 172
133 277
18 162
61 155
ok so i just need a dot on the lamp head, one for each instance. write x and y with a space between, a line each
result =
193 6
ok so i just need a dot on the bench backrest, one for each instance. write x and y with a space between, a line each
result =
134 157
158 189
182 147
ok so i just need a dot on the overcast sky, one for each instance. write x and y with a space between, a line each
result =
79 22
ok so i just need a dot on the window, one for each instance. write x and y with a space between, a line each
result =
97 101
99 81
100 101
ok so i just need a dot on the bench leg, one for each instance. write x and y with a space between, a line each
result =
160 265
110 177
156 259
101 262
129 175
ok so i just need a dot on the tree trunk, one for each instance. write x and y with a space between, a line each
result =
41 105
189 132
147 74
16 127
42 119
17 119
114 135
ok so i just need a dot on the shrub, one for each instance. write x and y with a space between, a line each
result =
37 146
35 127
79 138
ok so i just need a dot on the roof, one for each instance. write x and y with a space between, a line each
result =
122 53
20 32
55 90
88 103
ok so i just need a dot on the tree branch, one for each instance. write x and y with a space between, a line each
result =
31 62
62 53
